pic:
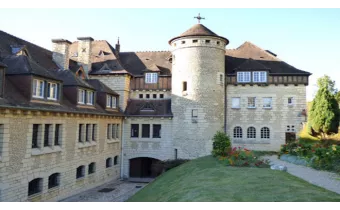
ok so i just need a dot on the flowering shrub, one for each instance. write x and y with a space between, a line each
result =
242 157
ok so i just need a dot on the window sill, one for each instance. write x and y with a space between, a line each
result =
80 179
46 150
236 107
251 107
267 107
86 144
112 141
52 99
34 196
251 141
53 189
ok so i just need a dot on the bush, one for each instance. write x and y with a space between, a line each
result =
221 143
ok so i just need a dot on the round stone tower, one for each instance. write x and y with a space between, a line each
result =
198 71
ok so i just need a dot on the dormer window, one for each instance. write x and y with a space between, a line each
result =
243 77
151 77
52 91
259 76
81 96
89 98
111 101
38 88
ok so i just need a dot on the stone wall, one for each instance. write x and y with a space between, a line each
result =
276 119
135 94
20 163
120 84
201 65
158 148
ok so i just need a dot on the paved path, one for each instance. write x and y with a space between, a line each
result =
123 190
327 180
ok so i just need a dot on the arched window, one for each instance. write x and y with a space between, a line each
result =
237 132
53 180
92 168
115 160
251 133
265 133
35 186
80 172
108 162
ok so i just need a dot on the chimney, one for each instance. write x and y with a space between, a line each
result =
60 53
117 48
84 53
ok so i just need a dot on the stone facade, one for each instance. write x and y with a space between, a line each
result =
199 64
21 164
135 94
276 118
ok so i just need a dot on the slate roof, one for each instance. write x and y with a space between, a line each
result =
159 108
250 57
198 30
2 64
70 79
101 87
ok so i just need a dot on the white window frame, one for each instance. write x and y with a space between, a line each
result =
108 101
151 78
90 97
259 76
81 96
53 91
251 107
243 76
291 102
265 103
114 102
38 88
235 99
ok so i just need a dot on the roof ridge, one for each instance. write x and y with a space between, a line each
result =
252 44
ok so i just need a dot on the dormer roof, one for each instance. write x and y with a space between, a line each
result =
101 87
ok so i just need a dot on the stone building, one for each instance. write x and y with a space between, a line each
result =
87 113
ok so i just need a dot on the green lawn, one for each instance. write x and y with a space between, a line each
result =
205 179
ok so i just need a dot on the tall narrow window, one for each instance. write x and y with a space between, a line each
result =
290 100
52 91
47 135
94 132
117 131
80 172
154 95
265 134
194 113
57 134
108 162
115 160
80 131
237 132
90 97
92 168
108 101
151 77
147 95
113 131
108 131
184 86
38 88
161 95
53 180
140 95
35 133
1 138
145 131
156 131
251 133
134 130
81 96
87 137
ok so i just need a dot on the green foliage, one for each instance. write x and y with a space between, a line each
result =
221 143
337 97
324 113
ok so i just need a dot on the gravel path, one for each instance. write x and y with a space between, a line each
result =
325 179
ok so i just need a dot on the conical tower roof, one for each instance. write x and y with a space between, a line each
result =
199 30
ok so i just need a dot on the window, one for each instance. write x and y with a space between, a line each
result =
235 103
185 87
265 133
114 102
267 102
243 76
108 101
80 133
81 96
90 96
156 131
35 186
194 41
1 138
218 42
87 135
147 95
53 180
290 128
117 131
259 76
251 133
237 132
80 172
92 168
2 81
251 102
114 131
151 77
140 95
38 88
207 41
111 101
57 134
108 131
145 131
94 132
194 113
47 135
176 154
183 42
154 96
115 161
52 91
221 79
290 100
134 130
161 95
108 162
35 133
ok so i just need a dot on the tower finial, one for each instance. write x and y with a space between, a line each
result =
118 41
199 18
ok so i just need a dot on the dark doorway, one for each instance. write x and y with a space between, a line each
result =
290 137
144 167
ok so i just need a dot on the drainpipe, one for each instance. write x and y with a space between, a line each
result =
122 151
225 105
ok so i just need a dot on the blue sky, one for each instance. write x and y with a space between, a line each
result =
308 39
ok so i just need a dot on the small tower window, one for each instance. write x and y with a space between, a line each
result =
218 42
207 41
194 41
183 42
154 95
184 86
161 95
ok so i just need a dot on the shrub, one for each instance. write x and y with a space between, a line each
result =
221 143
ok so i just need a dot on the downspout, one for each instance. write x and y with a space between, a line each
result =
225 108
122 151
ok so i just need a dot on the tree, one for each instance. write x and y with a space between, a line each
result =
337 97
324 113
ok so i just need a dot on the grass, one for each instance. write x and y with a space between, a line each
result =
205 179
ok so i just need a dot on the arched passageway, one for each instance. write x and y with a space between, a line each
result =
144 167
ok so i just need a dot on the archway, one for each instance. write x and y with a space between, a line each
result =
144 167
